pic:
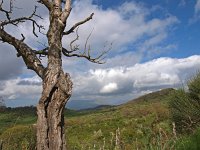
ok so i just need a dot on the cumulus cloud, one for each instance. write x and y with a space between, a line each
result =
109 88
113 85
124 25
30 81
134 33
13 89
126 81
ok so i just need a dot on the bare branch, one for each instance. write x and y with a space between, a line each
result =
23 38
7 12
46 3
94 60
78 24
76 47
16 21
29 57
41 53
86 52
86 43
66 11
73 47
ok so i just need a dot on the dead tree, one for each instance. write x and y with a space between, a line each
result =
57 85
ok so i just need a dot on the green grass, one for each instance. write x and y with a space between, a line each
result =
19 137
190 142
9 119
140 124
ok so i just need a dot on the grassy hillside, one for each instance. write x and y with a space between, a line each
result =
140 124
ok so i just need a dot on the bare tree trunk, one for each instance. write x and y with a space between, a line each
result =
50 124
57 88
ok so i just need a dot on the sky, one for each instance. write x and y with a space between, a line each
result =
155 45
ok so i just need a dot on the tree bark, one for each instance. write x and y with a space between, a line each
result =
57 89
50 110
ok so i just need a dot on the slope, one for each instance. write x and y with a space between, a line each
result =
138 124
134 125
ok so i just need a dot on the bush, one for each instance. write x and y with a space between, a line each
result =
19 138
185 107
189 143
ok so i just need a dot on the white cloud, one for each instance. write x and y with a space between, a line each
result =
124 25
133 33
113 85
196 15
126 81
197 6
109 88
22 88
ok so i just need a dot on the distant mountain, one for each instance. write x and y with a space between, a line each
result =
100 107
81 104
93 105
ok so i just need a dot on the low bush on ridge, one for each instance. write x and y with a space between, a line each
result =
185 107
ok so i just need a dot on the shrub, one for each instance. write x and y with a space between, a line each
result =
19 138
185 106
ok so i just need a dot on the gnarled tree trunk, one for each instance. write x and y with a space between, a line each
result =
50 124
57 86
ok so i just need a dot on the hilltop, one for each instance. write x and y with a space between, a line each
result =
154 96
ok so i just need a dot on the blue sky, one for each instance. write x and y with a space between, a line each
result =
155 45
185 35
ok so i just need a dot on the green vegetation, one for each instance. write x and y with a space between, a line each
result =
19 138
17 116
185 107
190 142
158 121
141 124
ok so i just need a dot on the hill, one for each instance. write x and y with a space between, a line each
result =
137 124
154 96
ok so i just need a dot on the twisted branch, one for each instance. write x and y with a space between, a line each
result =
7 12
51 5
78 24
86 53
16 21
29 57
